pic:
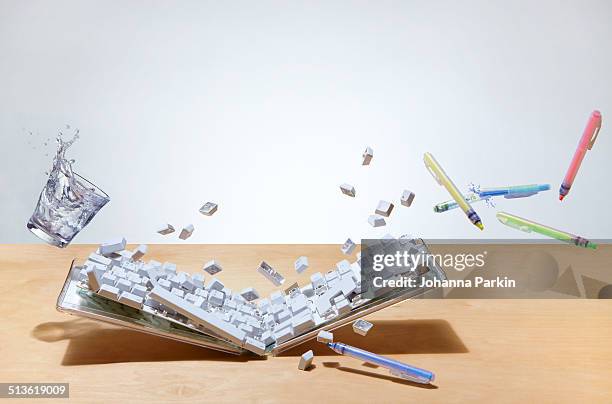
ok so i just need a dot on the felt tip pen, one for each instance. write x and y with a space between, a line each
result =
396 368
442 178
586 143
529 226
511 192
451 204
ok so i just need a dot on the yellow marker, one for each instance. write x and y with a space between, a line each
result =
438 173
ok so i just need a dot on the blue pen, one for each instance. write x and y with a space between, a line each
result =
397 368
516 191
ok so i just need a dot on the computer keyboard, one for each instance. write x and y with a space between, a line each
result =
209 307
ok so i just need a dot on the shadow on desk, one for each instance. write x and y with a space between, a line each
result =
394 379
91 343
393 337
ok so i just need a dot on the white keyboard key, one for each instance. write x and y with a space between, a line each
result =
107 262
249 294
199 302
165 229
209 208
134 278
301 264
247 329
325 337
407 198
343 306
270 274
348 190
190 297
82 274
108 279
283 316
263 309
348 247
283 335
198 316
362 327
331 276
343 266
212 267
113 246
267 338
255 346
187 232
164 283
124 285
215 284
169 268
384 208
197 280
216 297
187 284
202 293
139 252
93 278
139 290
302 323
317 280
230 304
376 221
131 300
110 292
298 304
118 272
307 290
178 292
277 297
366 157
306 360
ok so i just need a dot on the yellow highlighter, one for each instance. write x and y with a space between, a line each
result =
438 173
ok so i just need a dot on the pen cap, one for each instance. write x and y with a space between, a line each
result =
596 120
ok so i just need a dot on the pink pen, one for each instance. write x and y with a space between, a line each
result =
586 143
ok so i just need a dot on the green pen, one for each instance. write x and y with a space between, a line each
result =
451 204
528 226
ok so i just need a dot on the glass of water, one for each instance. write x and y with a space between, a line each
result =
66 205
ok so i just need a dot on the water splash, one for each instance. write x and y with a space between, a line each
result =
475 188
68 202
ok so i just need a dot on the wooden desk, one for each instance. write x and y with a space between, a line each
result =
481 350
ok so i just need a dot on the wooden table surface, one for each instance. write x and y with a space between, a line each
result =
481 350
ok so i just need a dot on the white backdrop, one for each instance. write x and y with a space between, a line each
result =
265 108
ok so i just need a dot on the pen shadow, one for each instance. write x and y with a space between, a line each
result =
91 343
337 365
392 337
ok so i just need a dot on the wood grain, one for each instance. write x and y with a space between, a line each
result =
481 350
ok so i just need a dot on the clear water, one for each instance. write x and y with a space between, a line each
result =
474 188
68 201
